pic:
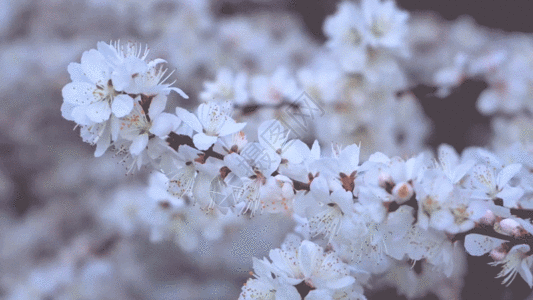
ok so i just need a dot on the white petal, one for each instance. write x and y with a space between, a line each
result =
238 165
139 144
349 158
272 134
320 294
506 174
76 72
296 151
203 141
477 244
157 106
164 124
66 110
525 272
461 170
340 282
102 145
79 93
189 119
510 195
122 105
319 188
230 127
379 157
179 91
201 189
307 257
287 292
448 156
99 111
95 67
315 151
79 114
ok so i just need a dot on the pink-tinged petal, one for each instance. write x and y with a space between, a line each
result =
296 152
139 144
157 106
122 105
99 111
79 93
95 67
164 124
506 174
189 119
76 72
203 141
230 127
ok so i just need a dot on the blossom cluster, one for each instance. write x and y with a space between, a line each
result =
357 221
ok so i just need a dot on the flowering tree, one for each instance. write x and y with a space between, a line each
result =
290 142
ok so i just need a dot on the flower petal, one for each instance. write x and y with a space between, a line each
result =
477 244
238 165
296 151
189 119
79 93
95 67
157 106
139 144
122 105
203 141
99 111
307 257
506 174
164 124
230 127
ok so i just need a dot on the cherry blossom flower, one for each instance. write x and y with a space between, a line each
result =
213 121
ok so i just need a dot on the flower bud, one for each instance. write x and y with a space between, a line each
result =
403 191
498 254
510 227
488 218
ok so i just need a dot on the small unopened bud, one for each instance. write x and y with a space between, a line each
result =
403 191
498 254
488 218
510 227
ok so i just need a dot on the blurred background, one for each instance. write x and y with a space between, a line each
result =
61 235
